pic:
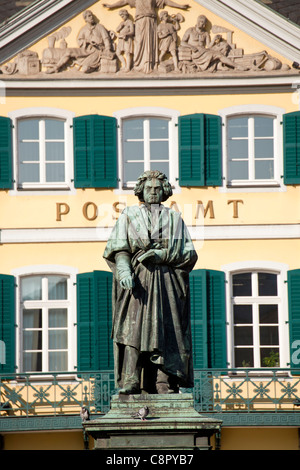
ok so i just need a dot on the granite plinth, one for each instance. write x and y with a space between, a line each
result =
172 424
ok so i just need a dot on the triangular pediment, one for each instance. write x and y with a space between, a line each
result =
136 38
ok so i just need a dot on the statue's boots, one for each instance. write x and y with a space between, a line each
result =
132 371
165 383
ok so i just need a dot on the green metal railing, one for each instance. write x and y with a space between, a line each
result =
215 391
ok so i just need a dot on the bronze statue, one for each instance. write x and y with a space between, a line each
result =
151 254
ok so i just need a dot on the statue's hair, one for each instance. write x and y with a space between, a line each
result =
149 175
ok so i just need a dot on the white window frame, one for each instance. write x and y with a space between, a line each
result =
280 270
262 111
144 112
44 270
39 113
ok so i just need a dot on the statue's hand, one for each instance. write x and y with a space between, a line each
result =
155 256
127 283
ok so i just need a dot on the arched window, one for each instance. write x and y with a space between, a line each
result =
252 143
42 140
147 141
46 316
257 315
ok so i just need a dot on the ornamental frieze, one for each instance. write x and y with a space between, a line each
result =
154 42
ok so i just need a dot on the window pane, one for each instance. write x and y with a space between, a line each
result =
264 148
269 335
58 317
133 151
57 288
238 127
263 127
55 151
243 335
241 284
55 129
55 172
159 128
244 357
242 313
58 361
32 318
58 339
238 170
269 357
267 284
264 169
28 129
133 129
159 150
31 288
32 362
132 171
29 173
32 340
29 152
268 313
161 166
237 149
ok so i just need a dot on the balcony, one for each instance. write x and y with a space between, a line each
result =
238 397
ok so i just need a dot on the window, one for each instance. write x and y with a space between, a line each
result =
147 141
44 312
145 147
41 150
43 147
250 147
252 143
255 319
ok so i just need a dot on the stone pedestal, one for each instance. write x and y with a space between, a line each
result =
172 424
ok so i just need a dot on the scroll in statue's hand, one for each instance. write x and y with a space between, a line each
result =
155 256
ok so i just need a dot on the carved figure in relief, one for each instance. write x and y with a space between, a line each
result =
94 44
204 53
167 35
146 41
125 41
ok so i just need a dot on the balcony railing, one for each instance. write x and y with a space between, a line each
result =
215 391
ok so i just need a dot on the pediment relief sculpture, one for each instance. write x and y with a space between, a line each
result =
151 43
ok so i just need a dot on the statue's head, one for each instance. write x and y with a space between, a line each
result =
201 21
124 14
157 178
88 16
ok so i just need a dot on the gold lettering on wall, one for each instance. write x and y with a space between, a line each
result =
61 209
117 209
93 213
90 210
209 207
235 203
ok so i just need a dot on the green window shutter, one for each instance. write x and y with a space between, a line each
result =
208 318
291 147
95 151
200 150
217 342
6 180
199 318
294 317
94 321
213 150
7 324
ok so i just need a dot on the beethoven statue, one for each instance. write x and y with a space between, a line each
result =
151 254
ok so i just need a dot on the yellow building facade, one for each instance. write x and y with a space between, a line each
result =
235 179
